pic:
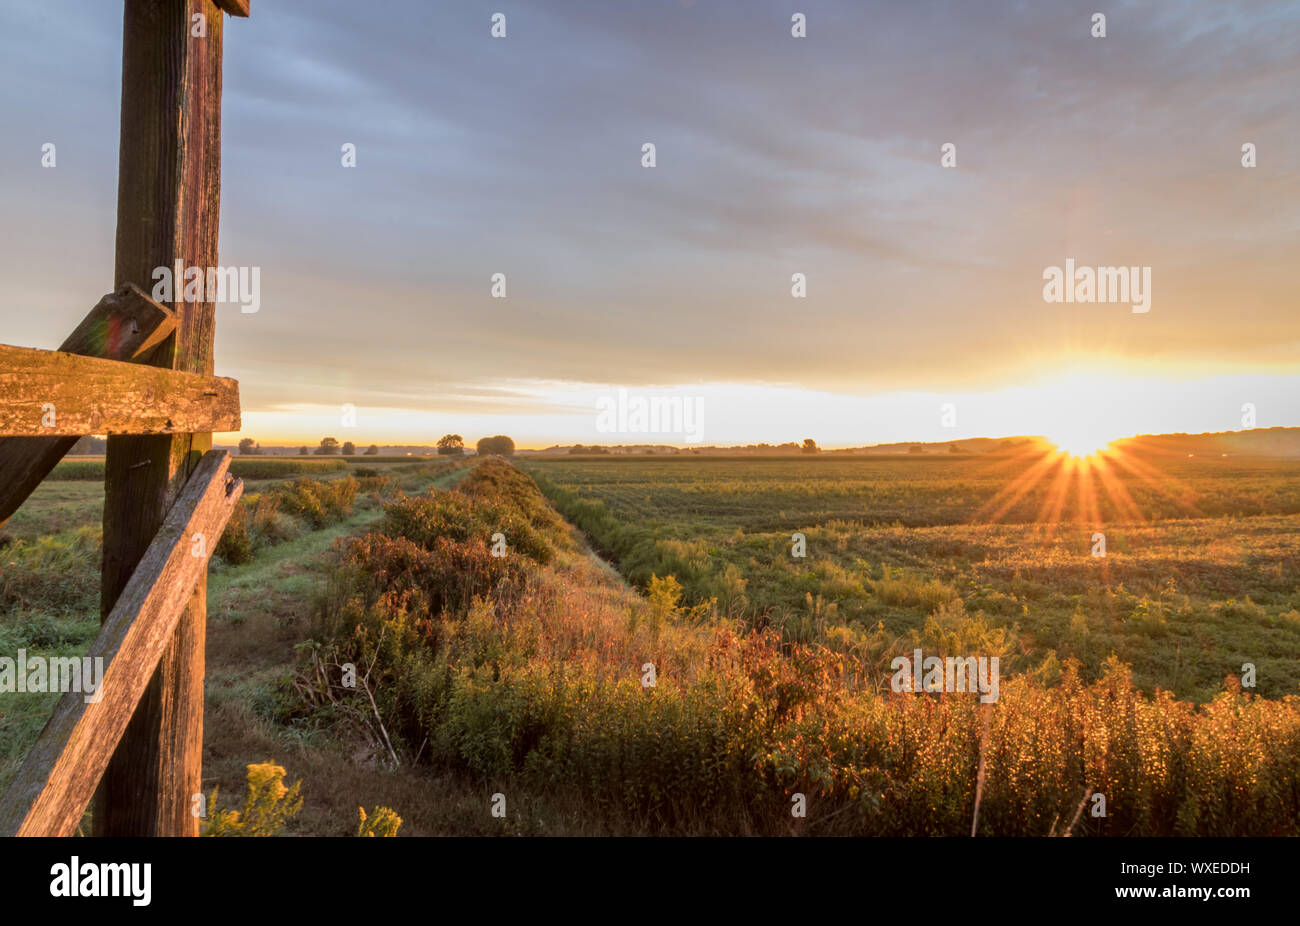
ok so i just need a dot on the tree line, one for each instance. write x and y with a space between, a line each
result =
448 445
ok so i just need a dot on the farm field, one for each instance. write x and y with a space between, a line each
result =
1201 572
536 677
525 675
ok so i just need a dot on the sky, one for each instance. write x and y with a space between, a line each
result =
924 316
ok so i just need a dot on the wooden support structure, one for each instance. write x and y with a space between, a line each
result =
168 206
167 496
50 792
49 392
125 325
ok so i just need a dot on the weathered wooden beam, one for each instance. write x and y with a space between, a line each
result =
168 209
48 392
125 325
56 781
234 7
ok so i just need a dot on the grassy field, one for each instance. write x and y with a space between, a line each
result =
708 677
536 676
1201 572
272 563
91 469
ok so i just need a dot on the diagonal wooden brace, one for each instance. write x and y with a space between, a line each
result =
53 787
125 325
234 7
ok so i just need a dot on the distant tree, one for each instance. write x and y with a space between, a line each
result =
328 445
953 448
810 445
349 449
500 444
916 448
451 444
246 446
372 451
302 451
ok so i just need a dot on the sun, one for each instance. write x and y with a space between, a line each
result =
1080 441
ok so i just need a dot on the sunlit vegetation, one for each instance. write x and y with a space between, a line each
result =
725 677
540 673
1201 572
268 805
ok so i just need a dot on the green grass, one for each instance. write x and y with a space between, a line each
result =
1208 578
49 606
54 507
50 564
250 467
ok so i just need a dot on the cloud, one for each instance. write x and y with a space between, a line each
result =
775 155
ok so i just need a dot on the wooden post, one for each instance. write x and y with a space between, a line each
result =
168 202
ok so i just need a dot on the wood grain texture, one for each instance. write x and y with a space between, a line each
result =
125 325
48 393
168 206
234 7
51 790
